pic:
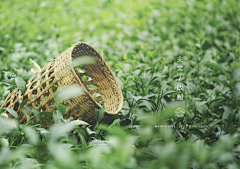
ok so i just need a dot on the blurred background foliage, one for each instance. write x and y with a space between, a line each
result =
140 41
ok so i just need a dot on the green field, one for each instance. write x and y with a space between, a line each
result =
142 42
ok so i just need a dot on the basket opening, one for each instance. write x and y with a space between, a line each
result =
16 106
8 103
43 86
37 102
86 78
80 70
100 103
54 88
51 105
33 96
51 72
46 97
91 87
51 81
41 80
96 95
33 85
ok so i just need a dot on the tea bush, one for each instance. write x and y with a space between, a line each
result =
144 43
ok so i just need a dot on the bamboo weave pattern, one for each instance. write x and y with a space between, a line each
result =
42 86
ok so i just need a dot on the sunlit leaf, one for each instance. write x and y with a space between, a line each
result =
89 131
36 67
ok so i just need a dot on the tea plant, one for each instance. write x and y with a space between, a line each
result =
141 41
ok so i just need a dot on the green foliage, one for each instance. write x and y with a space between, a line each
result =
141 42
99 113
20 84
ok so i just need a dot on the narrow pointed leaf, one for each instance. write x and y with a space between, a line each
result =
12 112
20 84
99 113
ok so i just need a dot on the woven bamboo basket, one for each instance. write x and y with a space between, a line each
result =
42 86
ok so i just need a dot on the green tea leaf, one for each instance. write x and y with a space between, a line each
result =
47 113
16 133
120 82
7 82
37 114
29 67
213 124
20 84
235 74
196 131
73 139
62 108
12 112
215 67
116 122
237 89
89 131
170 92
24 102
99 113
83 141
36 68
26 115
146 104
227 112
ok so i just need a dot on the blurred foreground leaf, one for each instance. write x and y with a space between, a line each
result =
69 92
6 125
83 60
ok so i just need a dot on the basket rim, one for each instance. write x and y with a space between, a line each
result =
114 78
